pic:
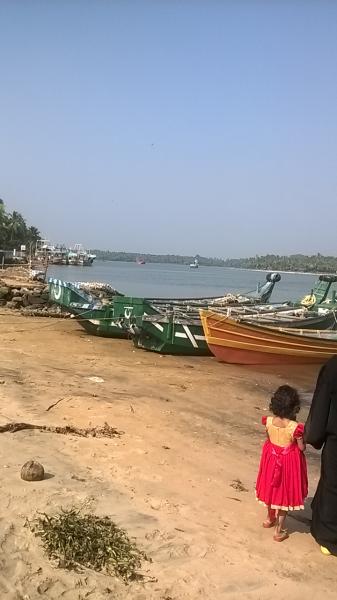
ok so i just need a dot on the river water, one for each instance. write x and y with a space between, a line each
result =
179 281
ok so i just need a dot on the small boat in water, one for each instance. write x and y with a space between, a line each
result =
237 342
140 261
194 264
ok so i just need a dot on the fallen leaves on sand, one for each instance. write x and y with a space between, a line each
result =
76 539
238 486
103 431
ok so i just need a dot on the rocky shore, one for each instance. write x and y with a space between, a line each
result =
19 292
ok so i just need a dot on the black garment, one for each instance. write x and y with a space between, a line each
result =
321 431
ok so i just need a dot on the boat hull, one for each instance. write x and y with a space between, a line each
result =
249 357
167 337
240 343
99 321
175 336
64 293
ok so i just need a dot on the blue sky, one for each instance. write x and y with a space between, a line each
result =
172 126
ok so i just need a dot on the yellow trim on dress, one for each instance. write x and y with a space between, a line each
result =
276 507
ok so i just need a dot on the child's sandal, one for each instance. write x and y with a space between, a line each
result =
267 524
281 536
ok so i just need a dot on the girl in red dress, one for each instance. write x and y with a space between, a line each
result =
282 482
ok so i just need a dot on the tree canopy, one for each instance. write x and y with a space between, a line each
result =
270 262
14 230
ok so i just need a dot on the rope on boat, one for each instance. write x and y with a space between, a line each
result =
53 322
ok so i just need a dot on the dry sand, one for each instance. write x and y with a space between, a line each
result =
191 426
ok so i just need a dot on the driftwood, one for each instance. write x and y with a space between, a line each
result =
104 431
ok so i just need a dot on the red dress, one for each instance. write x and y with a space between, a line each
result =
282 481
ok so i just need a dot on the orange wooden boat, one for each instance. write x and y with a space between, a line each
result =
246 344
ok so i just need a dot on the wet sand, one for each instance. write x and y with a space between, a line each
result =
191 427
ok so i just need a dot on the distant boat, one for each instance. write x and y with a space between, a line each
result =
140 261
61 255
194 264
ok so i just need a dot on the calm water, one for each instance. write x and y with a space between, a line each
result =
162 280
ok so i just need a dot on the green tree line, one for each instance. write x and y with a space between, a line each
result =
315 263
269 262
14 230
176 259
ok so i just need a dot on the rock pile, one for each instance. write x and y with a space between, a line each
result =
30 299
16 296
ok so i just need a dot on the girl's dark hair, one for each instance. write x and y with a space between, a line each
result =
285 403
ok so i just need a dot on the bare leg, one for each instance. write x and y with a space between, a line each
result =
271 518
272 514
281 519
281 533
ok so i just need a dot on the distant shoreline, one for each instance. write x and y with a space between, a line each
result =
317 273
293 263
281 272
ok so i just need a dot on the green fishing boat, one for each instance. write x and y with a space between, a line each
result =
180 332
169 334
323 295
115 315
113 319
174 334
173 326
65 292
91 304
98 320
99 308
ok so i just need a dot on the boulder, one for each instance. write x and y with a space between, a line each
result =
35 299
17 301
4 291
11 305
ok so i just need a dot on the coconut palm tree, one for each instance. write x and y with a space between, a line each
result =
17 228
33 236
3 225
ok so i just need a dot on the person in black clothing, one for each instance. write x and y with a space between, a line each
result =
321 432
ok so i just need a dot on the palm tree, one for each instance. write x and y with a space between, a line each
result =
3 224
17 227
33 236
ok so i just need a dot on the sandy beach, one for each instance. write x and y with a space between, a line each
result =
191 427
